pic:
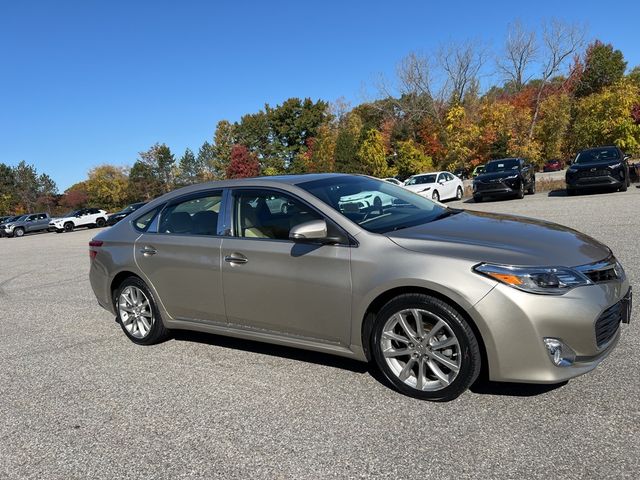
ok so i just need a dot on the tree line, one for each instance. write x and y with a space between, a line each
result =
549 97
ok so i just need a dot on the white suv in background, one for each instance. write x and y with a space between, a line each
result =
436 185
85 217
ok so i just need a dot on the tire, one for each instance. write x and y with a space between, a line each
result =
532 189
134 327
435 196
459 193
477 198
69 226
101 222
377 204
18 232
572 192
520 194
623 188
446 371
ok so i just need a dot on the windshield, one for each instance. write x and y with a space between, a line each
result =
10 219
598 155
502 165
21 218
420 179
376 206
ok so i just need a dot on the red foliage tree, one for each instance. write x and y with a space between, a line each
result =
243 163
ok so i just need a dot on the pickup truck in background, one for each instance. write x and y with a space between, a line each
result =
32 222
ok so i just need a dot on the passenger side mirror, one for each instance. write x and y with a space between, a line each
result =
314 230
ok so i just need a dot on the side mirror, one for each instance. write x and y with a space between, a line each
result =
627 157
309 231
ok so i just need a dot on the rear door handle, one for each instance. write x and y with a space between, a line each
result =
148 251
236 258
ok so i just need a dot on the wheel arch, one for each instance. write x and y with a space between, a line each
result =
383 298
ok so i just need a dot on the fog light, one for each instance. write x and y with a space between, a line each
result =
561 355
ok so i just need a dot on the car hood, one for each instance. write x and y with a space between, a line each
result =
503 239
419 187
495 175
596 165
62 219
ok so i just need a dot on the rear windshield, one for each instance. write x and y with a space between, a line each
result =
598 155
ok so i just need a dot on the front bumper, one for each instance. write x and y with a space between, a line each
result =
594 181
513 325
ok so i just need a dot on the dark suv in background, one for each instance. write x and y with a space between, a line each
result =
505 177
596 168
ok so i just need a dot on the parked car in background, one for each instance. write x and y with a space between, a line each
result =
5 218
437 186
505 177
596 168
461 173
32 222
552 166
7 221
430 295
85 217
479 170
395 181
125 212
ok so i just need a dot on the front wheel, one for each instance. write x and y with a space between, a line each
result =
459 193
532 189
425 348
138 314
18 232
101 222
69 226
435 196
520 194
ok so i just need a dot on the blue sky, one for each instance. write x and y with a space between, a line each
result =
90 82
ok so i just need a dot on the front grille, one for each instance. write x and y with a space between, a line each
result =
595 173
608 323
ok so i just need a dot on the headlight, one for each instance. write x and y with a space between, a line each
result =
542 280
511 177
572 170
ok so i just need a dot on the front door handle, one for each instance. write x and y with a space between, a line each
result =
148 251
236 258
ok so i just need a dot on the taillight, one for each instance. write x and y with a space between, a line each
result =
93 244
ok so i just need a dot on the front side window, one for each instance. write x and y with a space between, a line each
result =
376 206
268 214
196 216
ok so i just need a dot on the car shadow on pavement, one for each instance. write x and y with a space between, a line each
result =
561 192
272 350
486 387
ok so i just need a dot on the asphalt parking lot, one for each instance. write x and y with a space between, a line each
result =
78 400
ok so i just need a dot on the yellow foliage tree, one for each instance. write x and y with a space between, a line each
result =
107 187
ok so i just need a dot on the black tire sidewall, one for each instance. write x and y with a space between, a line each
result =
471 359
158 330
459 193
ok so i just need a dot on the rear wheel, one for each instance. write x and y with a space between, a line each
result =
377 204
425 348
100 222
623 188
520 194
138 314
68 227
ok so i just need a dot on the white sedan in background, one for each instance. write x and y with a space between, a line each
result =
437 185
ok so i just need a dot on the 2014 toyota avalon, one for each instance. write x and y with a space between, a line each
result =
431 294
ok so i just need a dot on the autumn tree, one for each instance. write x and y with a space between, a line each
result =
107 187
553 126
191 169
75 196
603 66
348 143
243 163
372 155
320 156
410 159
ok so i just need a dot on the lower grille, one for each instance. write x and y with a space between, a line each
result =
595 173
608 323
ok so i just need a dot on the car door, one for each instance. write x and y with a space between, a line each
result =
42 222
452 185
180 256
30 223
276 285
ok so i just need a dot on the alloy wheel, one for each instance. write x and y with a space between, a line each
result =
135 312
421 349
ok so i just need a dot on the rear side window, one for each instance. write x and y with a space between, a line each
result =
196 216
142 223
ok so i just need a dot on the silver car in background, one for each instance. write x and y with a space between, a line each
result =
432 295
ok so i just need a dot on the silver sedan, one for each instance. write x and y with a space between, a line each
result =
433 295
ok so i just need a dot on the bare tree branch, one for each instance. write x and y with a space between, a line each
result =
461 64
519 53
